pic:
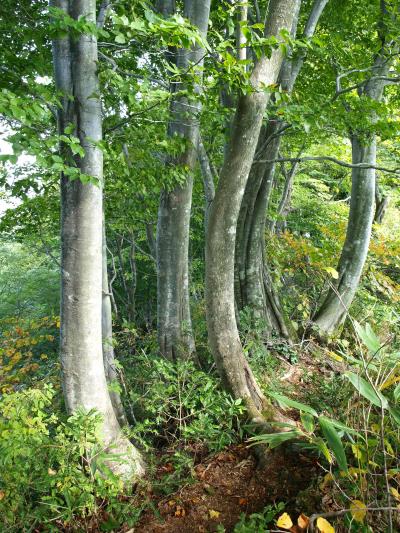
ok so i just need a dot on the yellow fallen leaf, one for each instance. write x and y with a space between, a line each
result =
303 521
324 526
395 493
2 494
284 521
213 514
358 510
51 472
328 478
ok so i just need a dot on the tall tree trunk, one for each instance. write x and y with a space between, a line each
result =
254 286
336 304
173 309
83 376
220 243
334 308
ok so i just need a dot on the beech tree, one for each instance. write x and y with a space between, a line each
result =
335 306
79 115
173 308
220 242
253 283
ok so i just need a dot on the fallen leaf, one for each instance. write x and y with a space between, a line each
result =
171 503
395 493
243 501
213 514
51 472
358 510
324 526
180 511
303 521
2 494
284 521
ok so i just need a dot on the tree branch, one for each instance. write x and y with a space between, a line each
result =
332 160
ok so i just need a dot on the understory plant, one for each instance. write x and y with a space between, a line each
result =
359 452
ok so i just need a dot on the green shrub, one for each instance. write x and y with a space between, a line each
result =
52 471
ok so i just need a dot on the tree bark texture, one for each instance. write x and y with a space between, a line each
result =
81 347
335 306
175 334
253 281
220 243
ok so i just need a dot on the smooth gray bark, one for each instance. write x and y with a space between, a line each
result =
173 309
334 308
208 181
254 286
220 243
81 347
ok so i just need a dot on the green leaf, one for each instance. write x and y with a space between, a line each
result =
308 422
119 38
368 337
366 390
283 401
274 439
334 442
395 414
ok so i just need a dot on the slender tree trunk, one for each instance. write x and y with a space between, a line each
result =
336 304
381 204
334 308
220 244
254 286
173 309
81 347
208 181
108 348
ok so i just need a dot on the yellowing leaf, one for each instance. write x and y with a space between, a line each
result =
213 514
51 472
328 478
284 521
358 510
334 273
324 526
2 494
303 521
395 493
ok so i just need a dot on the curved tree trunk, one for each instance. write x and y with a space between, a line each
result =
173 311
220 243
254 286
83 376
334 309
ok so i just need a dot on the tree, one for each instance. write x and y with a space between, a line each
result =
173 309
220 242
253 282
83 376
335 306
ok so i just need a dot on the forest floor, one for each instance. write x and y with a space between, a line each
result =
227 485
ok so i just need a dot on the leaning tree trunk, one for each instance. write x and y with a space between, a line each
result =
173 309
220 243
254 285
335 307
83 376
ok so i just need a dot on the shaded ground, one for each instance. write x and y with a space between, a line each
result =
227 485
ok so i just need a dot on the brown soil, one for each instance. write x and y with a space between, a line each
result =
228 485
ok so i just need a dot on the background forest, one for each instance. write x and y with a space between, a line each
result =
199 265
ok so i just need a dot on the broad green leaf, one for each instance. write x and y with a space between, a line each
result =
283 401
308 422
274 439
368 337
334 442
366 390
